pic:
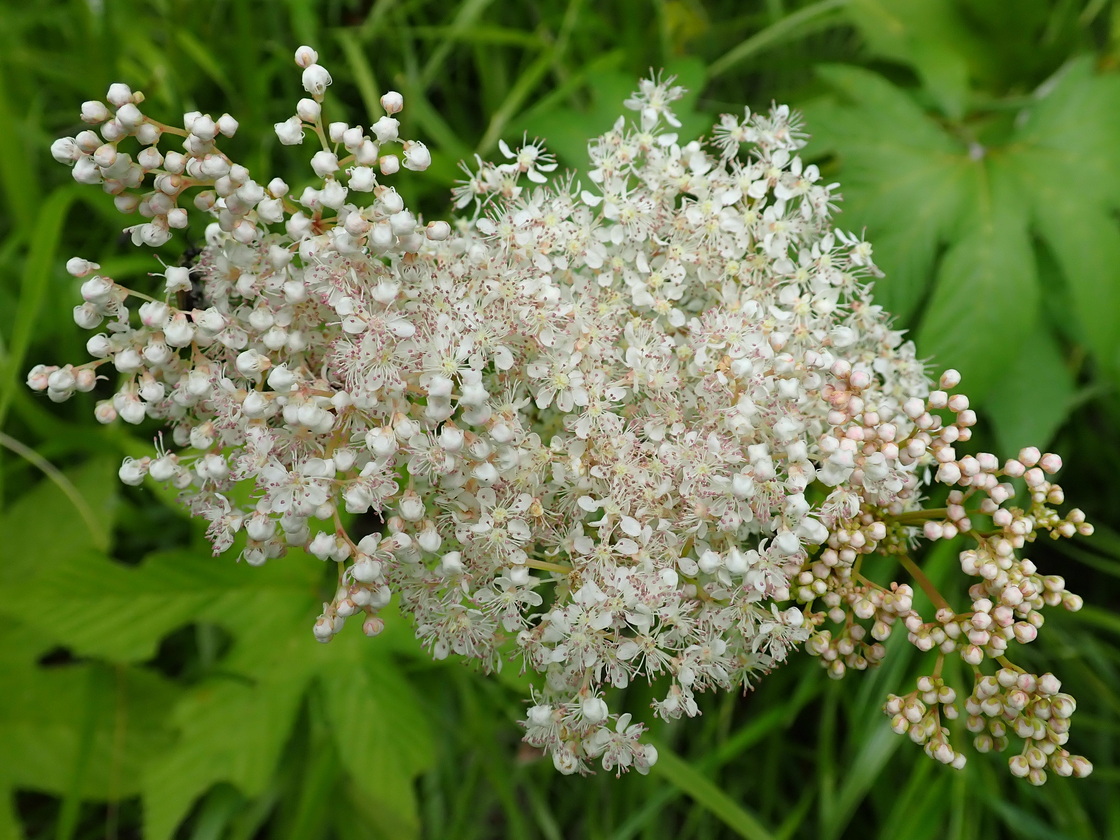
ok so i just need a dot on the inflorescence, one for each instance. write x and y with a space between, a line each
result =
644 426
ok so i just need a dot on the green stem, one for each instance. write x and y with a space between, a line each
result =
913 517
925 583
1007 663
784 29
100 534
937 668
545 566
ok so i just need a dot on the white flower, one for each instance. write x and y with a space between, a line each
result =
598 424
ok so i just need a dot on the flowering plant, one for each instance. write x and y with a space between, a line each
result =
646 426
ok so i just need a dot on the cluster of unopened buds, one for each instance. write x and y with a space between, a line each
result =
644 427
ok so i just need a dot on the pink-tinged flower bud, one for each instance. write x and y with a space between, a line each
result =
392 102
333 195
149 159
388 164
79 267
324 629
119 94
429 539
132 411
949 473
366 153
245 231
130 117
1050 462
154 314
324 163
99 346
251 363
1082 767
113 132
85 171
65 150
132 471
148 134
411 507
972 654
104 412
94 112
438 231
950 379
87 316
306 56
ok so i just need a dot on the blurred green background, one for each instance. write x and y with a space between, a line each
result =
149 690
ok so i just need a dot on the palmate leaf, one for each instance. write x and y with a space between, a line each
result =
985 303
929 35
1065 156
919 189
916 188
1034 395
80 731
234 727
904 180
33 539
383 760
121 613
230 729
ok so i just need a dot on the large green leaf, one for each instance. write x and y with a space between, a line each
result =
986 300
1067 166
122 612
231 729
930 36
1067 139
905 181
1032 398
42 527
76 729
382 736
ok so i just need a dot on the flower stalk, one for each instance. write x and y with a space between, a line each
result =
667 374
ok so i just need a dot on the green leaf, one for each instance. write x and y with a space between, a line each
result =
1060 148
234 728
382 735
986 300
34 541
928 35
1067 167
82 729
43 246
904 180
230 730
675 771
1033 397
122 612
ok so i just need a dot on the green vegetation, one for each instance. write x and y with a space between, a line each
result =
148 689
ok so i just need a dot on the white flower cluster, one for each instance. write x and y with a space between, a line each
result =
643 428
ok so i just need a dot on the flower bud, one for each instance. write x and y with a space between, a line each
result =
315 79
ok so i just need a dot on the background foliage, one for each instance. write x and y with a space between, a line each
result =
147 689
